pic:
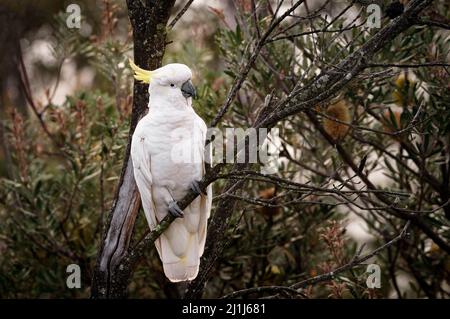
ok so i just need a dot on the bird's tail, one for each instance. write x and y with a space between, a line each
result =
181 245
177 272
180 255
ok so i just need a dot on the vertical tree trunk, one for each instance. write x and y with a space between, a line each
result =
148 19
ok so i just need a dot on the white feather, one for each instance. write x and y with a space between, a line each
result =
172 124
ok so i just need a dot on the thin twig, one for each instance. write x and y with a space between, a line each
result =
356 261
180 14
353 263
409 65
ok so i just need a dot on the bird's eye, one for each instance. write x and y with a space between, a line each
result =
172 85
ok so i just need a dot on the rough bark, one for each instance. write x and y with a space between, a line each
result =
149 20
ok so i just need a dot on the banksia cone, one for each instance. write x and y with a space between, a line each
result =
391 121
340 112
403 94
267 194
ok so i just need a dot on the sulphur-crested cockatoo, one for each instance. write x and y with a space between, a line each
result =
167 151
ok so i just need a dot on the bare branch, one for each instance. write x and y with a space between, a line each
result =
180 14
409 65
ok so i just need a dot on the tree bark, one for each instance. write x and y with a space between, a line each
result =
149 20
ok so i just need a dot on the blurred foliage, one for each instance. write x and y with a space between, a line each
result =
57 192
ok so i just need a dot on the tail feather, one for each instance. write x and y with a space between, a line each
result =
180 258
177 272
181 245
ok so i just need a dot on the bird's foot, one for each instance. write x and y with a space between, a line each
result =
195 187
175 210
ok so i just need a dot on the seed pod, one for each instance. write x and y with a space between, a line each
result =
391 121
404 92
336 129
267 194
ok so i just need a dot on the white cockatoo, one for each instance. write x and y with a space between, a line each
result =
167 151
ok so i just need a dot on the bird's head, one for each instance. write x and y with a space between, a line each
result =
171 82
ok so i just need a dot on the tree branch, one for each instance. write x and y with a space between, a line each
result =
180 14
408 65
109 281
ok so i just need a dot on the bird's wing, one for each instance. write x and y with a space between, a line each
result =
183 243
205 200
141 159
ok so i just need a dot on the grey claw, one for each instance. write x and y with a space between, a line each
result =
175 210
196 188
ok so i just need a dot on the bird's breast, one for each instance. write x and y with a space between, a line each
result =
175 147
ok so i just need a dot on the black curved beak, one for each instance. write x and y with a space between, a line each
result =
188 89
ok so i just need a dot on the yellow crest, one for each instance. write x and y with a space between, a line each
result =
141 74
